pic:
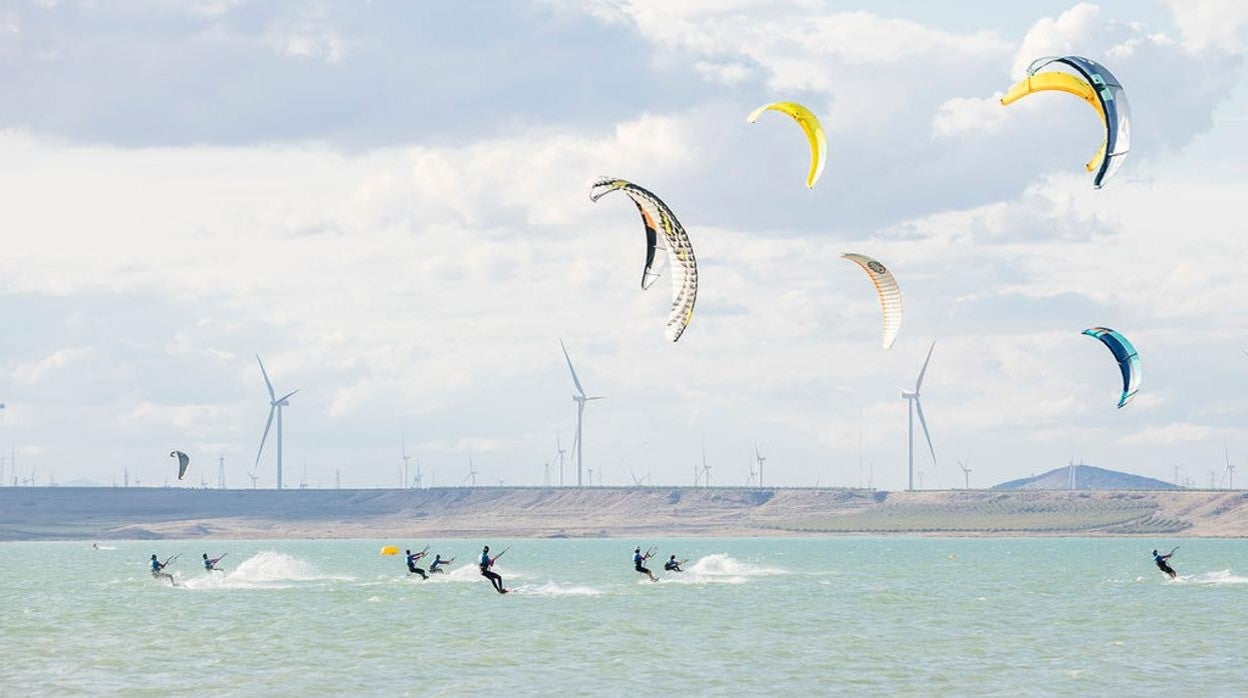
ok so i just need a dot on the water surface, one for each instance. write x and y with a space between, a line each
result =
859 615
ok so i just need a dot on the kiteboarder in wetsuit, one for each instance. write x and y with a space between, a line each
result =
673 565
1163 565
435 567
639 563
158 569
411 563
485 563
210 565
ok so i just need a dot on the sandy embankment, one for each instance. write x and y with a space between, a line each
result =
103 513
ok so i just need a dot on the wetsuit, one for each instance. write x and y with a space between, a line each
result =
157 567
672 565
485 563
411 564
435 567
639 564
1164 566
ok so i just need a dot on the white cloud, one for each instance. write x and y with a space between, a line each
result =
1178 433
35 372
419 288
962 116
1222 24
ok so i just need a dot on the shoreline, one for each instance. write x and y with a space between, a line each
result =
67 513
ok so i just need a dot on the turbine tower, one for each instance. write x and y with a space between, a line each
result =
914 405
275 407
220 472
472 473
580 399
966 474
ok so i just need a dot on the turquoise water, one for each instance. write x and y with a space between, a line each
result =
775 616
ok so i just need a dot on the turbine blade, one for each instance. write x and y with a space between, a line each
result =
272 409
266 378
576 381
596 397
918 407
919 383
288 395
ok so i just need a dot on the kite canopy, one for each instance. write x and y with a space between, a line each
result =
390 550
809 124
183 461
663 232
1098 87
889 292
1127 357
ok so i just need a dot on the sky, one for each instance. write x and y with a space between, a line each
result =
388 202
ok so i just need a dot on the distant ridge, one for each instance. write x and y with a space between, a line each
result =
1086 477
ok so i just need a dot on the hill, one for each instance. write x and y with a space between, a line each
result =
1086 477
63 513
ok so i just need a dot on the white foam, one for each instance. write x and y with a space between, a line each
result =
719 568
264 570
551 588
722 565
1218 578
471 572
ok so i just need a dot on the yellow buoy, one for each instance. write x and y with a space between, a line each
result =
390 550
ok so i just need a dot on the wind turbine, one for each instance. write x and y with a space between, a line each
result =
253 477
966 473
275 406
913 405
420 479
1229 474
706 470
637 481
580 399
406 464
472 473
758 455
559 448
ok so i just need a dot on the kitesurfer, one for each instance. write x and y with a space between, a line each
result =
435 567
158 569
210 565
485 563
1163 565
411 563
639 561
673 565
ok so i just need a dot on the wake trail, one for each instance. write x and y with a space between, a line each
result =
1217 578
719 568
551 588
264 570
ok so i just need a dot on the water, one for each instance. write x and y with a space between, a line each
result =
848 615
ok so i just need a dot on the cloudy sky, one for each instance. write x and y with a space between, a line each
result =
388 203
